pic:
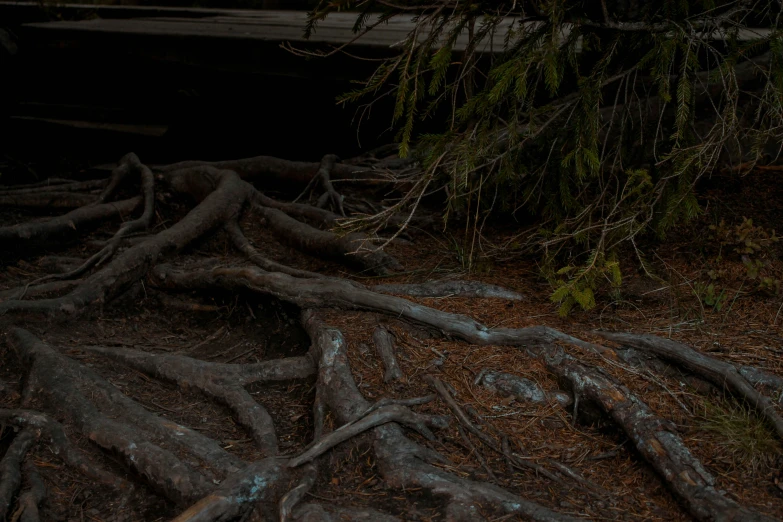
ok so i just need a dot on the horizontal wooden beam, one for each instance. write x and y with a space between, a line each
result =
285 26
259 25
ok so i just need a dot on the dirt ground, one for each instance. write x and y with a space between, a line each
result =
732 443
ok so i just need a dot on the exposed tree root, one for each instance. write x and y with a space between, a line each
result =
31 499
449 288
661 446
224 382
194 472
384 345
759 377
52 432
349 248
47 365
520 388
335 293
720 373
318 513
275 172
404 463
242 244
118 424
45 288
221 196
130 163
259 482
126 166
11 468
320 216
329 194
378 417
655 438
218 207
68 224
295 496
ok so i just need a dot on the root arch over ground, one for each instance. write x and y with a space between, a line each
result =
409 435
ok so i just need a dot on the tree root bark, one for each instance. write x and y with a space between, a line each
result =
242 244
384 345
300 211
218 207
130 429
45 288
317 513
520 388
383 415
450 288
275 172
224 382
403 463
659 444
68 224
52 432
329 194
118 424
655 438
295 496
30 500
221 196
11 468
720 373
259 482
335 293
194 471
126 166
130 163
349 248
758 377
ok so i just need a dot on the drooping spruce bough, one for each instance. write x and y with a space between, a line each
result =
595 118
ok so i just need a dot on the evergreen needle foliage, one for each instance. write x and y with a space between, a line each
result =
597 118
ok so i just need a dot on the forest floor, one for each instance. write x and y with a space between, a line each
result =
731 321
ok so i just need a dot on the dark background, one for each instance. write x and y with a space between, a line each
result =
219 99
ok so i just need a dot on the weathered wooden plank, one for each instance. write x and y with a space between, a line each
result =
282 26
259 25
32 11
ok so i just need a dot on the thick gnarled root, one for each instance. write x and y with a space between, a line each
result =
404 463
720 373
218 207
696 491
117 424
223 382
655 438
